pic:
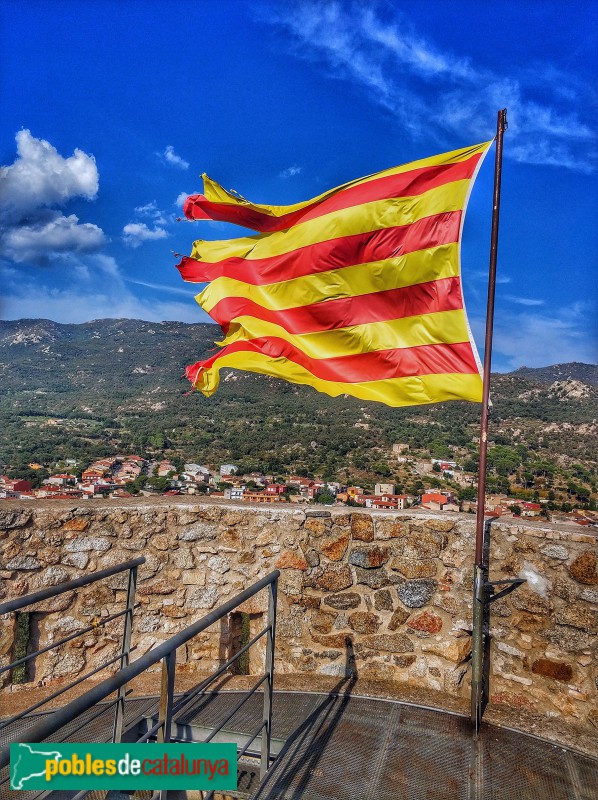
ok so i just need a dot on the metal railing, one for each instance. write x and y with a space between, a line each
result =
34 598
166 653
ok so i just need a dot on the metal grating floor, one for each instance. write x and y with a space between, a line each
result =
339 747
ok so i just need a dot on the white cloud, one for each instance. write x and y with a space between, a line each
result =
180 201
80 302
290 172
524 301
41 242
41 177
31 188
424 87
170 157
162 287
151 211
536 339
135 233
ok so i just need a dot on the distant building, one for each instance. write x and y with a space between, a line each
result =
384 488
228 469
439 501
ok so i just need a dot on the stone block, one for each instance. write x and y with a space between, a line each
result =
258 604
441 525
411 568
362 527
336 641
364 622
87 544
201 531
218 564
525 599
374 578
336 670
390 529
59 603
76 524
23 563
201 598
383 600
390 643
305 600
565 589
312 557
557 551
513 700
335 547
158 587
78 560
590 596
315 526
404 661
54 576
570 639
343 601
416 593
331 578
290 559
369 557
423 544
322 621
577 615
451 605
291 581
455 650
584 568
426 622
399 617
557 670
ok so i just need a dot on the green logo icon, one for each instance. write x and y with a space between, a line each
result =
123 766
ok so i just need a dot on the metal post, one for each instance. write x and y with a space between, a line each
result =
119 714
166 699
267 716
480 569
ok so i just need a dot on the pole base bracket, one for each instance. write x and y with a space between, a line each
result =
510 584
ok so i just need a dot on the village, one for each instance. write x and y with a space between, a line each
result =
125 476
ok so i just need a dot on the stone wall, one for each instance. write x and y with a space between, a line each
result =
388 594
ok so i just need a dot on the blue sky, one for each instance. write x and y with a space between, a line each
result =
112 110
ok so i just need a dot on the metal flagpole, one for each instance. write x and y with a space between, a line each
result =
481 567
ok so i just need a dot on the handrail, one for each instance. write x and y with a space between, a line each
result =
32 599
62 716
76 583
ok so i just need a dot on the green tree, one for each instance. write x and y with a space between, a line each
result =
325 497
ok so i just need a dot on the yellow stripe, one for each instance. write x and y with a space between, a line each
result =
215 193
448 327
359 279
394 392
374 216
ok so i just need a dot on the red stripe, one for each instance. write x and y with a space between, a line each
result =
345 251
433 359
421 298
404 184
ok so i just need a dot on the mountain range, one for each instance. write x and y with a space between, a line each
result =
111 385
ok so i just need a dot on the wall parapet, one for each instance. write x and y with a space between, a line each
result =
385 593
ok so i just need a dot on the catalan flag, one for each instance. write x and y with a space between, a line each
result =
355 292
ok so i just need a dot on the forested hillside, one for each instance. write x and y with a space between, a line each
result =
112 386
